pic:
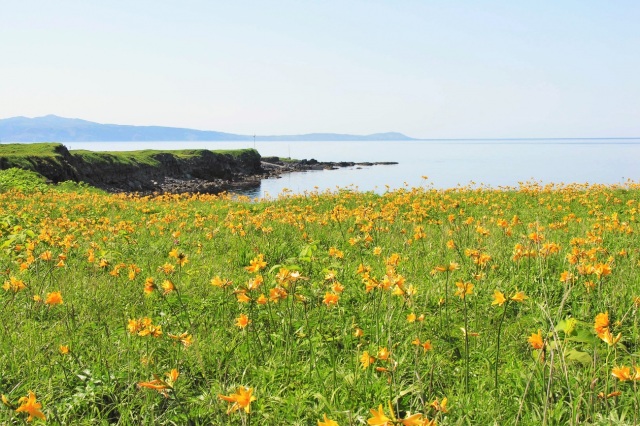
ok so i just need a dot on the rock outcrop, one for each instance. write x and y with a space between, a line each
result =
204 171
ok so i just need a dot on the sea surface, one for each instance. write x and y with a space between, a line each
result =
436 164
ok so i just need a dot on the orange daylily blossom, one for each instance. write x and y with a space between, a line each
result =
337 287
498 298
608 338
277 293
602 270
14 285
331 299
437 269
242 321
30 406
536 340
601 323
383 354
168 287
144 327
53 298
567 277
464 289
366 360
46 256
149 285
379 418
162 386
64 349
327 422
613 394
241 400
220 282
167 268
256 264
621 373
519 297
184 338
412 420
255 282
440 406
536 238
242 296
425 345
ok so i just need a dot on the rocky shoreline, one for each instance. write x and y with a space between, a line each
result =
271 168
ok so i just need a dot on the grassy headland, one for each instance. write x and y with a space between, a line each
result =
131 170
463 306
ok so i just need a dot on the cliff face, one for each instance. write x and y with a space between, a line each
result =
142 170
108 172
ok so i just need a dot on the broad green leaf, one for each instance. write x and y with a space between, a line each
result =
582 357
584 336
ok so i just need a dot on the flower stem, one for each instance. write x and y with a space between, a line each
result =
466 346
504 313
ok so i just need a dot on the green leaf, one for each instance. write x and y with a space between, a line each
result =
582 357
584 336
274 267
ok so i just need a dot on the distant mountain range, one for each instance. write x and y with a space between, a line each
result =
51 128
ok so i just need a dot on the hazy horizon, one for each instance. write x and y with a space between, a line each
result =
337 134
429 70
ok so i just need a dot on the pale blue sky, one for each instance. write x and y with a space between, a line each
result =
429 69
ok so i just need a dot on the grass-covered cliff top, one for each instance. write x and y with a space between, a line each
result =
19 154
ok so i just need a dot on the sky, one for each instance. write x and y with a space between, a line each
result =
425 68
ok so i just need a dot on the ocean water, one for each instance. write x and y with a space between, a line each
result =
436 164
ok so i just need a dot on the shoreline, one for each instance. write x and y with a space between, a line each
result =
271 168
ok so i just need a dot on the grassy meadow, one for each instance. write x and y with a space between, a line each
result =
468 306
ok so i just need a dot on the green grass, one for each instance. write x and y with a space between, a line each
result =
29 149
300 354
27 155
147 156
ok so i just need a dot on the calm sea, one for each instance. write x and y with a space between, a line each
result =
436 164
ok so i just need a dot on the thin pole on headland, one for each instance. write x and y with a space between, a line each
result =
254 141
